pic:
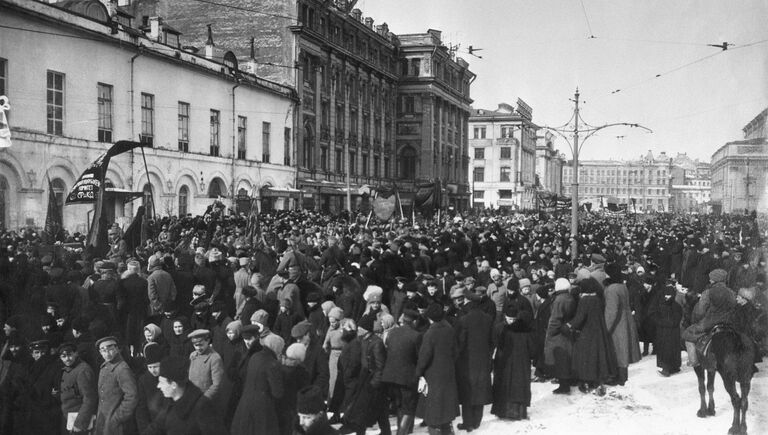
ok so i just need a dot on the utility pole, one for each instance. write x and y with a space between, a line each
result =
577 131
747 186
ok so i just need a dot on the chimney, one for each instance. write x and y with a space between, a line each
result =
209 44
357 14
369 22
252 65
435 33
155 26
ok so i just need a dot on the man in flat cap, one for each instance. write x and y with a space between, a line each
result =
42 410
206 369
117 391
79 398
400 367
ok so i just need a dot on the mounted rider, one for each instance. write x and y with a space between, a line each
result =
714 307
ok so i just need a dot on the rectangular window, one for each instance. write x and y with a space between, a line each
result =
410 105
339 161
215 129
376 165
506 152
55 102
479 153
478 194
352 163
242 134
386 167
147 119
183 127
506 132
365 164
478 174
105 112
479 133
265 126
505 194
3 76
504 174
287 147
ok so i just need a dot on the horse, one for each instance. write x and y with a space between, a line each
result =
732 354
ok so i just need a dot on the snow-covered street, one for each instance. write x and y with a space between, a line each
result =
647 404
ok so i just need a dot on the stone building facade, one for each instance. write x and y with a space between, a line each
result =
80 80
503 164
356 83
549 165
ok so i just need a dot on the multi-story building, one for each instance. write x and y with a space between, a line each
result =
739 171
503 157
433 108
81 75
357 82
549 165
643 184
690 185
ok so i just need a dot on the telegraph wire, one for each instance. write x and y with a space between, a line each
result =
244 9
589 26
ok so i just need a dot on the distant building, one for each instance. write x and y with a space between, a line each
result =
690 185
549 165
379 107
643 184
86 76
739 170
503 144
433 110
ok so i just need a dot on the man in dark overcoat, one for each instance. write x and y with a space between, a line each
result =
403 345
436 369
558 345
474 342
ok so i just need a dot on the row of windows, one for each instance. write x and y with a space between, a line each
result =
618 191
505 174
618 172
504 153
55 114
506 132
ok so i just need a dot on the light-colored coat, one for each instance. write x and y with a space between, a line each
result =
117 397
206 371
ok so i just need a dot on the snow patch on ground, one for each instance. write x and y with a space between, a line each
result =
647 404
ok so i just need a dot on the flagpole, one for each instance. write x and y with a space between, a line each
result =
149 182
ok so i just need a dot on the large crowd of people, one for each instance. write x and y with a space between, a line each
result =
308 323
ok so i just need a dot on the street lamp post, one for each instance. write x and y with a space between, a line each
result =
575 150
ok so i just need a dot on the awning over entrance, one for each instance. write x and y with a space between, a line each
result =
124 195
285 192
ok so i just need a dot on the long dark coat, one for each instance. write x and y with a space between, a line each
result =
511 367
403 345
593 357
43 412
192 414
558 345
437 359
649 303
350 363
539 332
370 400
151 401
474 340
295 378
667 344
257 413
621 326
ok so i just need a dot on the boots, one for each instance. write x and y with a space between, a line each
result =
405 424
693 359
434 430
564 388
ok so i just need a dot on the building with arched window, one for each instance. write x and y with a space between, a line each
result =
209 129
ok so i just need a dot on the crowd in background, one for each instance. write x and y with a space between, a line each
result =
214 324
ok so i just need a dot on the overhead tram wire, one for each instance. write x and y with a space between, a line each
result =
245 9
686 65
589 26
